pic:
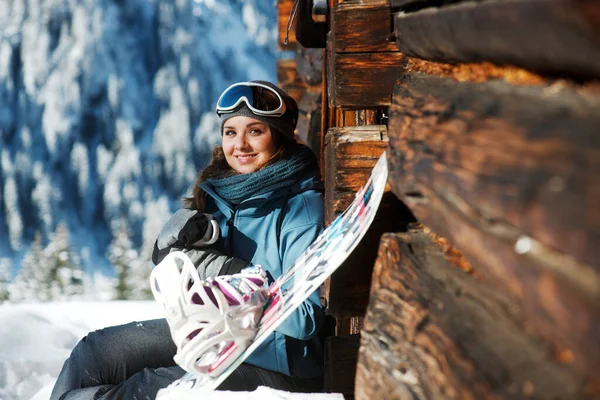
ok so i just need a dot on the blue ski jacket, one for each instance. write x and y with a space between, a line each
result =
249 231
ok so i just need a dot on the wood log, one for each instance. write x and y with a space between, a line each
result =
289 80
283 15
296 80
510 176
433 331
309 64
358 26
341 355
549 36
350 155
362 80
308 129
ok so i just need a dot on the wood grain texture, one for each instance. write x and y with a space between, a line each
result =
549 36
289 80
362 26
433 331
362 80
350 155
308 129
510 176
309 64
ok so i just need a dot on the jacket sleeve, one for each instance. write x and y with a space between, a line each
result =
306 321
186 228
191 232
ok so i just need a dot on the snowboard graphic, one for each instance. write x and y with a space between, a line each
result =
305 276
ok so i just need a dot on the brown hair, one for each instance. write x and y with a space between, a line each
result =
218 168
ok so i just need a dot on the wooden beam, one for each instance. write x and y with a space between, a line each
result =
433 331
362 80
550 36
308 129
510 176
289 80
350 154
341 355
359 26
309 65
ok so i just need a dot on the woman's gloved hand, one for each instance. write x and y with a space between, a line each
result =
192 232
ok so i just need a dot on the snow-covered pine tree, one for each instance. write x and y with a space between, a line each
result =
139 277
31 281
99 287
5 266
122 255
64 271
155 216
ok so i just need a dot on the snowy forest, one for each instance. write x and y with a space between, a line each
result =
106 116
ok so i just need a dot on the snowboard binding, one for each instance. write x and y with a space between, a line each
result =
212 321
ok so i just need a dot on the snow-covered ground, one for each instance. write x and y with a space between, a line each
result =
35 339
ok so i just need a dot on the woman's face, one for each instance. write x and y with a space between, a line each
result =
247 144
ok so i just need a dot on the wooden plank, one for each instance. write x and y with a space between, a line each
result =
308 129
366 117
358 26
510 176
549 36
341 355
327 114
362 80
289 80
433 331
309 65
350 154
283 14
528 156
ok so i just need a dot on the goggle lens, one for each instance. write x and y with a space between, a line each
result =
260 99
231 96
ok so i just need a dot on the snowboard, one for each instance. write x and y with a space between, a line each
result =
305 276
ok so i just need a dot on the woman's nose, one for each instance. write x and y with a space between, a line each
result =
240 141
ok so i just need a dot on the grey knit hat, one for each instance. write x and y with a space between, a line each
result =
284 124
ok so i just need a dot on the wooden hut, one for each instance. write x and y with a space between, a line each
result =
480 277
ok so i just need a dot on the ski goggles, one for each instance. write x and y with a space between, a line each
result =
260 99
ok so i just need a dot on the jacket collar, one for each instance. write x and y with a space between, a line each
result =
310 181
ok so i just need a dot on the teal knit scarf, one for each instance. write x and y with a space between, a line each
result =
280 174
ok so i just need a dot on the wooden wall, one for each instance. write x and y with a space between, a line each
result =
480 276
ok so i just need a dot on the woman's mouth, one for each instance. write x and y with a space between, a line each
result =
245 159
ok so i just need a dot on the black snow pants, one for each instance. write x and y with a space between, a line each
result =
135 360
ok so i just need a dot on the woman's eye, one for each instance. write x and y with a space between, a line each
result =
229 133
255 132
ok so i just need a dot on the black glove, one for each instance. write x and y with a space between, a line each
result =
191 231
186 228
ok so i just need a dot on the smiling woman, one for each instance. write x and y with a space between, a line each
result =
264 191
247 143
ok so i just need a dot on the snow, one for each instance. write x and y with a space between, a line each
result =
36 338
